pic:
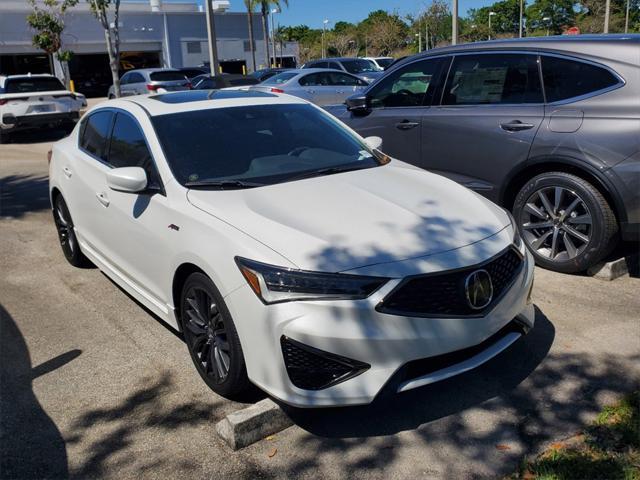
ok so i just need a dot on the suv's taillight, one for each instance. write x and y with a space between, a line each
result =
3 102
277 90
152 88
49 153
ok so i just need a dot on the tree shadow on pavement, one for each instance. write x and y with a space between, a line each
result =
20 194
31 445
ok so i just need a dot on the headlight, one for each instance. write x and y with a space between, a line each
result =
278 284
517 239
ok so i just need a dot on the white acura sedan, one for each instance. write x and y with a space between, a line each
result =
290 252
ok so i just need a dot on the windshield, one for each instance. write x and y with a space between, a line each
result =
384 62
359 65
167 76
33 84
261 144
280 78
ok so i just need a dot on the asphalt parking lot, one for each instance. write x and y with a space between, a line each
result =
92 385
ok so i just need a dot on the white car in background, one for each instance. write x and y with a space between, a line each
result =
290 251
381 62
31 101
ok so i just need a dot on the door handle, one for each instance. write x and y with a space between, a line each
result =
102 198
516 126
67 172
406 125
311 91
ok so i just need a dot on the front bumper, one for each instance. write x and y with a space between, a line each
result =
13 123
387 349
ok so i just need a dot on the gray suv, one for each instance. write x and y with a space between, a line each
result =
151 80
546 127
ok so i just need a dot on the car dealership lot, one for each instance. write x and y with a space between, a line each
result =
93 385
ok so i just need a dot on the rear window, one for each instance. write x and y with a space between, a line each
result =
167 76
280 78
26 85
238 82
564 78
357 66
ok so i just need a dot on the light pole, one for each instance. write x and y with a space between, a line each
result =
491 14
626 18
273 36
547 20
214 6
607 14
324 28
521 13
419 41
454 23
426 36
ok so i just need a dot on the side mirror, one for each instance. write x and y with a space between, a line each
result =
374 143
127 179
358 103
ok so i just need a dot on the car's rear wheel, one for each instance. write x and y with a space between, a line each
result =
565 222
4 137
212 338
67 234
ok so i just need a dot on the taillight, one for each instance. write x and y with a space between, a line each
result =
189 86
49 153
3 102
152 88
277 90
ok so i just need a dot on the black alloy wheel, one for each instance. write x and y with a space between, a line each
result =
565 222
67 234
212 338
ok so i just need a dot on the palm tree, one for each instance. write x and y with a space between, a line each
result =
265 7
251 6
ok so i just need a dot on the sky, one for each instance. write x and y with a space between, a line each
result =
313 12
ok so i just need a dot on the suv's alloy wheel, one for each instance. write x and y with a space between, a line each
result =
565 222
211 337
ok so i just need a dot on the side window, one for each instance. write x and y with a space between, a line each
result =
341 79
493 79
411 86
204 84
95 134
310 80
129 148
125 79
136 78
335 65
564 78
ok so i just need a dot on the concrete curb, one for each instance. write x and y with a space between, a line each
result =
616 268
253 423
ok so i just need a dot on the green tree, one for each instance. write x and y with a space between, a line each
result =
590 18
250 5
436 21
101 10
505 20
561 14
47 19
383 32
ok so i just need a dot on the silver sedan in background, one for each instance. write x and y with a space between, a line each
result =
318 85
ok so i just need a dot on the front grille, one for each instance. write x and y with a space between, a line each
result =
312 369
443 294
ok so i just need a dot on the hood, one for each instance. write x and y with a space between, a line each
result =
348 220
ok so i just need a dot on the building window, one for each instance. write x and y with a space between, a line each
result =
194 47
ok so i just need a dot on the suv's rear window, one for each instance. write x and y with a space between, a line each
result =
167 76
564 78
26 85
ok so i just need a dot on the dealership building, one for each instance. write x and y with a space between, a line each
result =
169 35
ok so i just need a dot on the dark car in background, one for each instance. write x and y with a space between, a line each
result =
193 72
546 127
362 68
266 73
227 80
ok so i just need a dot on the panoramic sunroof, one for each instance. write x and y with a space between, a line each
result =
202 95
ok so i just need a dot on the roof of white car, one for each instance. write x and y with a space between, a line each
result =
191 100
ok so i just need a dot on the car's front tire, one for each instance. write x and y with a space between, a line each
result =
66 234
565 221
212 338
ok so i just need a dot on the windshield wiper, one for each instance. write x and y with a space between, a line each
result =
223 184
324 171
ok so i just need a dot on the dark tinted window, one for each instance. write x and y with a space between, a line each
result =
136 78
342 79
565 79
95 133
33 84
315 80
203 84
241 81
280 78
129 148
384 62
167 76
493 79
258 143
359 65
334 65
192 73
410 86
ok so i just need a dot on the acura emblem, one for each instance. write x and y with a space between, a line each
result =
479 289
